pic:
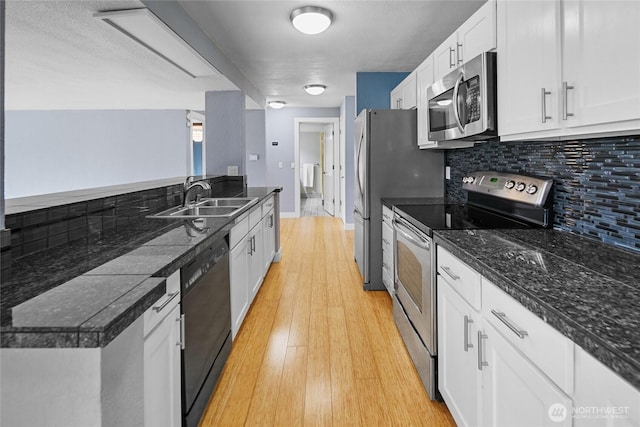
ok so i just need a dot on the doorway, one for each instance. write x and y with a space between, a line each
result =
197 148
317 185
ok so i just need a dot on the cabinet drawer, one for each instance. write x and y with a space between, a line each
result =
547 348
268 205
387 280
460 276
238 231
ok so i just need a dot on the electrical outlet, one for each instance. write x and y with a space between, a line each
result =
232 170
280 165
447 172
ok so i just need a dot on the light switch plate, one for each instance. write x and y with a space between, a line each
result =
232 170
293 165
253 157
280 165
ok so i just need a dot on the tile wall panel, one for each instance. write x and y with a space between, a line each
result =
596 181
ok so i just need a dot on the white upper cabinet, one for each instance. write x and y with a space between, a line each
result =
404 96
424 74
568 68
476 35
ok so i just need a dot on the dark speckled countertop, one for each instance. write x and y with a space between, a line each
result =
84 295
588 291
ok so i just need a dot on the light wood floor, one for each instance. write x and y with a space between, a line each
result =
316 349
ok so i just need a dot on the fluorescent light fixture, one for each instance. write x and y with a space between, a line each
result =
311 19
277 104
315 89
148 30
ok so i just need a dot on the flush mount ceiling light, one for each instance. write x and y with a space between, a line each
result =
311 19
277 104
315 89
147 29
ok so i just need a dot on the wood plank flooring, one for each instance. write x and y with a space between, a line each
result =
316 349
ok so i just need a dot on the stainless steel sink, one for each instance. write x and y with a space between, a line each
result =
208 208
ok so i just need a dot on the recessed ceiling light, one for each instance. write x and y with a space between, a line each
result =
315 89
277 104
311 19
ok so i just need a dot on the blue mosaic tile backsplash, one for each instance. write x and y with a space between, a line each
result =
596 181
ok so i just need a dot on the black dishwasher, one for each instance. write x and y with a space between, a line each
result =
206 308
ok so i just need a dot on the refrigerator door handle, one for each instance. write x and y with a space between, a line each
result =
358 167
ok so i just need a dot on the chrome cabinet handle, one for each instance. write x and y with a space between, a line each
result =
458 46
503 318
449 272
565 90
544 94
467 322
182 343
481 362
170 296
250 245
451 61
271 222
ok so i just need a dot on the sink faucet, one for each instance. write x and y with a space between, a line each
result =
190 185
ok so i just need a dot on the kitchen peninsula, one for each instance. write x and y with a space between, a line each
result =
74 312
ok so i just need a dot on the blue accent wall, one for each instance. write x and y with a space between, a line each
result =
596 182
373 89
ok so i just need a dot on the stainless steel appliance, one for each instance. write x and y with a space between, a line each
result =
463 104
206 308
388 163
495 200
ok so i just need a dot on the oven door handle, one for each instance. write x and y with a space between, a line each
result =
407 233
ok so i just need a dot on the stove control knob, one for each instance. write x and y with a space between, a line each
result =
520 186
465 179
510 184
531 189
471 179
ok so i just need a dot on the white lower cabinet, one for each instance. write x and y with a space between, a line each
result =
515 392
252 241
602 397
162 364
498 364
458 375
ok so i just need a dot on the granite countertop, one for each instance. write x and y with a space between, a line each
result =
588 291
391 201
84 295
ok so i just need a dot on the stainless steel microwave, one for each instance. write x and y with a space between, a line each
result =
462 105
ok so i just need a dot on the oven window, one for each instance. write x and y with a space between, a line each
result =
410 273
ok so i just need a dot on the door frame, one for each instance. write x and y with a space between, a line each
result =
195 117
296 155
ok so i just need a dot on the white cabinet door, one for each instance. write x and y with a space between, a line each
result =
458 375
388 266
424 79
528 65
269 239
601 62
395 101
602 397
239 275
515 392
478 34
409 92
162 385
444 57
256 265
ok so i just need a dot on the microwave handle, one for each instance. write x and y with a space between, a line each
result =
456 113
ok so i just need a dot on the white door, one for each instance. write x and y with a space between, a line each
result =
328 181
162 373
601 67
458 375
514 391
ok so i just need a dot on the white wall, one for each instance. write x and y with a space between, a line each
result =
281 129
53 151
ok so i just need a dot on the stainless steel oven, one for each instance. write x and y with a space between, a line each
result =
414 302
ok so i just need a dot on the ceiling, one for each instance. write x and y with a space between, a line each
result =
58 56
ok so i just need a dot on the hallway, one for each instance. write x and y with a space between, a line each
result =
316 349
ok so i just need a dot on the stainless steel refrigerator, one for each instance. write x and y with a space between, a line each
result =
388 163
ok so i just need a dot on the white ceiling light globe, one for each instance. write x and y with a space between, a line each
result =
277 104
311 19
314 89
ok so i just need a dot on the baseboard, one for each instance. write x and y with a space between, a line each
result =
288 215
348 226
